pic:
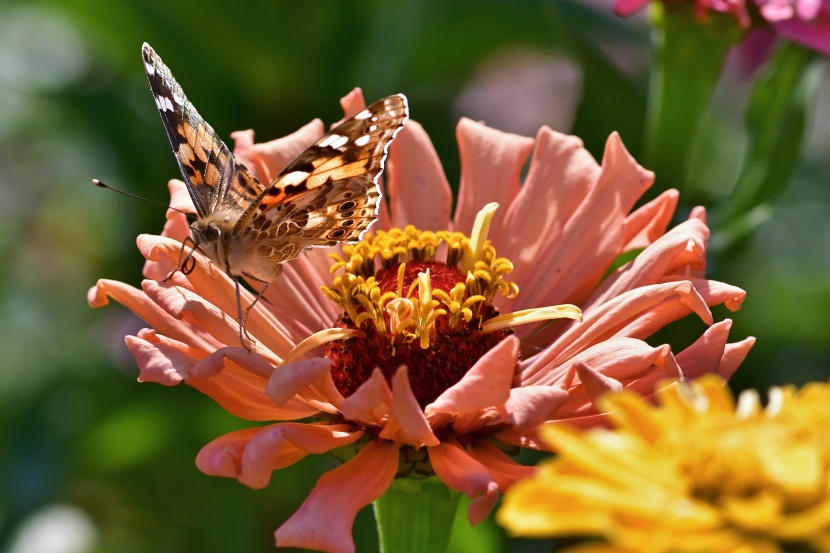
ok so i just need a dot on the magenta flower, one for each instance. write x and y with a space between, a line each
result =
429 369
806 22
736 8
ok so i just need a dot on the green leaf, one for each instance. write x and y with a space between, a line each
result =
775 121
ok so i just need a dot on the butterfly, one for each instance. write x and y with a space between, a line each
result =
328 194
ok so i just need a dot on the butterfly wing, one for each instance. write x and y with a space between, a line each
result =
329 193
215 179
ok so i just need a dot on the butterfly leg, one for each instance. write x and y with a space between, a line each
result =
243 334
253 303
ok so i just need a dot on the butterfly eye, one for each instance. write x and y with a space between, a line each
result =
213 231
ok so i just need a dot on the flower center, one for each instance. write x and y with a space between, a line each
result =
411 308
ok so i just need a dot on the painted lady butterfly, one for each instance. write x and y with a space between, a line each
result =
328 194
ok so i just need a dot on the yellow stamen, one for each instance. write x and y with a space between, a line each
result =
478 238
458 305
565 311
426 313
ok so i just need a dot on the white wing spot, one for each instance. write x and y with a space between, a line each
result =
373 128
363 140
340 142
178 99
374 119
329 140
293 178
149 68
164 103
363 114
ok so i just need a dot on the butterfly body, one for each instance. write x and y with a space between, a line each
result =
328 194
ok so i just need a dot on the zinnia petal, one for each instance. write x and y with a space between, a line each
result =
419 193
324 520
486 384
458 470
491 164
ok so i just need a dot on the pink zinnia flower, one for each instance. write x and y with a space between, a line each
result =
468 382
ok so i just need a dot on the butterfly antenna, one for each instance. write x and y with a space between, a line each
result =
100 184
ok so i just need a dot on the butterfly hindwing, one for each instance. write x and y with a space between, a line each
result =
215 179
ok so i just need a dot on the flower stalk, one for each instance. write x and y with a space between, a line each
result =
416 516
689 58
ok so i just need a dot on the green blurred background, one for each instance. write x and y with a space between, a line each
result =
92 461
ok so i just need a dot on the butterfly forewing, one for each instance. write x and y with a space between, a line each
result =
215 179
329 193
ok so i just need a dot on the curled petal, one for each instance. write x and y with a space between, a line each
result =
486 384
711 353
618 358
682 247
263 454
650 221
221 456
460 471
712 292
168 363
191 308
149 311
715 292
733 355
561 172
407 423
617 317
372 394
251 454
595 383
239 391
288 380
505 470
482 506
530 406
324 520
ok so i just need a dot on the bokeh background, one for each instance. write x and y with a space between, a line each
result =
90 460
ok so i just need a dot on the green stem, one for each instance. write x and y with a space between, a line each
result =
416 516
689 58
776 116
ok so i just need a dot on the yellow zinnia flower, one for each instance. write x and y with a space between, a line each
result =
696 473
